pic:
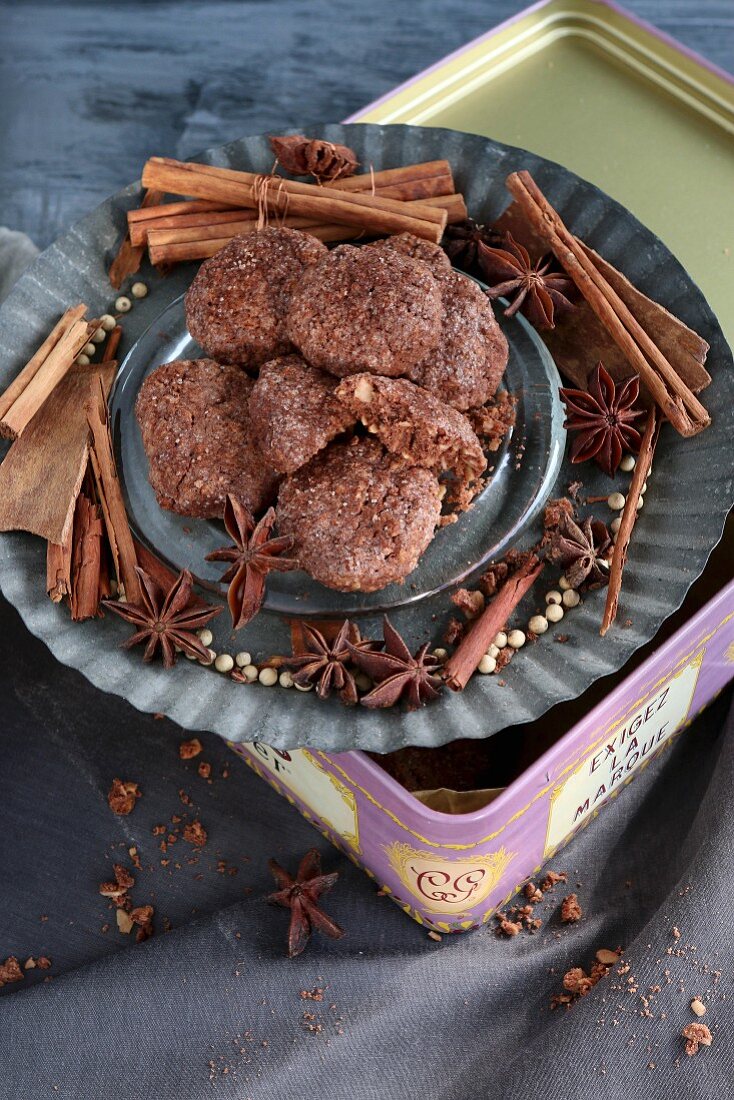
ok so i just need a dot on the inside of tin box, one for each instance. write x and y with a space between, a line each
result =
467 774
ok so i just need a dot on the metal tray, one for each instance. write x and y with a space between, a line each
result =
677 532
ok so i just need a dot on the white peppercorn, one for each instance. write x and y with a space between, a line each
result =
554 613
363 681
486 665
516 639
538 624
571 598
224 663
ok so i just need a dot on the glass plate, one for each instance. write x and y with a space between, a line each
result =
523 472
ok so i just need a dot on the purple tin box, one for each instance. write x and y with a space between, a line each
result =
451 872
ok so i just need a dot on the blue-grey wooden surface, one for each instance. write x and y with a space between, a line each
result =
89 89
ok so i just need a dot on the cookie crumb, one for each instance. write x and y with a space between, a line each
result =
570 909
696 1035
189 749
551 879
195 834
121 797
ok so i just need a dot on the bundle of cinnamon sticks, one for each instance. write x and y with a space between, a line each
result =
42 373
58 480
224 203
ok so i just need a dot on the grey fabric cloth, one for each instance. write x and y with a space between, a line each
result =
402 1016
87 91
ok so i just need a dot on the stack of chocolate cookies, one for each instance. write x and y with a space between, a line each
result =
336 385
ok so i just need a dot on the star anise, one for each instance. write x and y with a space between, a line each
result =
301 895
321 159
538 290
253 556
461 242
603 418
165 619
325 663
579 550
397 672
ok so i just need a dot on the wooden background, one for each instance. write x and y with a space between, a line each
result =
89 89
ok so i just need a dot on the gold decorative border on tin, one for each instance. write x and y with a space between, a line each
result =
452 886
645 691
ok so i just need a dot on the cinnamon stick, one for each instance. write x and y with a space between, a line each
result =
175 247
629 517
42 473
129 256
140 228
110 494
372 213
409 181
58 569
45 376
111 344
86 562
677 402
465 659
21 380
579 339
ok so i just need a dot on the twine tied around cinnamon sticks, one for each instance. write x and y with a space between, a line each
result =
224 203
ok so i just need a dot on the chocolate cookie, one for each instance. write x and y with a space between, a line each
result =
294 412
196 432
361 517
415 425
466 367
365 309
408 245
237 304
